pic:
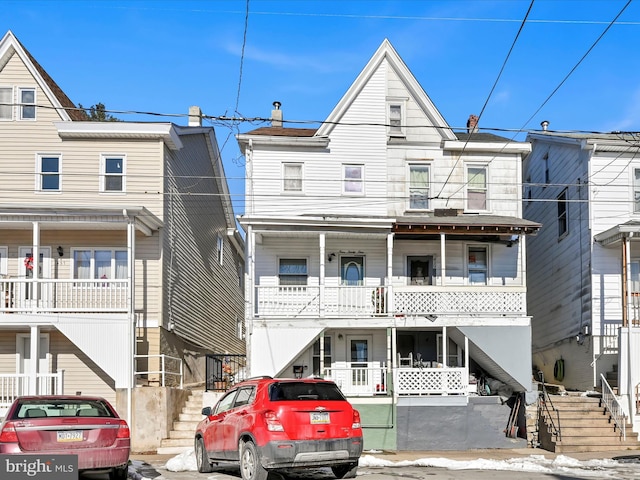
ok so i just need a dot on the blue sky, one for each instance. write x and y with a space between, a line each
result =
163 56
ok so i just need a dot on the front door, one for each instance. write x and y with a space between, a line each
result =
30 293
359 355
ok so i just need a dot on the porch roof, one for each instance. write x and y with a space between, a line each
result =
464 224
73 218
616 234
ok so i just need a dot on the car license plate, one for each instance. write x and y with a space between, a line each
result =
70 436
319 417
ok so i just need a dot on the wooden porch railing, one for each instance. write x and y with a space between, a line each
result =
614 407
355 380
13 385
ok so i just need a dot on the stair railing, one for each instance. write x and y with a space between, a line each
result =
613 405
551 411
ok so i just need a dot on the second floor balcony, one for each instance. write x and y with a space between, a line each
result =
363 301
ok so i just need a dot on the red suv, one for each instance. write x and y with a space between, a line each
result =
273 423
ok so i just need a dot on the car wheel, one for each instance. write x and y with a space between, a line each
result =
119 473
347 470
202 459
250 466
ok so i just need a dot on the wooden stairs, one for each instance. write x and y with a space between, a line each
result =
184 429
580 424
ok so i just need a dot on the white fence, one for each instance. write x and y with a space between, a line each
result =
429 381
13 385
359 379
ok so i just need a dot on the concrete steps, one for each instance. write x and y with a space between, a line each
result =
585 426
181 436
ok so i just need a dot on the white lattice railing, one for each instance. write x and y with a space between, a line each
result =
300 301
356 380
56 295
614 407
12 385
428 381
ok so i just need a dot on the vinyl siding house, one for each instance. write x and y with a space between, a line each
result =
386 251
117 239
584 266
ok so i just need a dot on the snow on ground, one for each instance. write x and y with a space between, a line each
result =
560 465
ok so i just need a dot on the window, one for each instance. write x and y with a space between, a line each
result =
49 173
352 179
27 104
352 270
634 286
220 249
477 265
99 264
317 368
477 188
545 166
293 271
395 119
418 187
4 254
6 99
113 173
636 190
563 221
292 175
419 270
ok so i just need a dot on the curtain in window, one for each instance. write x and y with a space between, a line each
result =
6 101
352 270
103 264
82 264
477 188
419 187
121 264
293 178
293 271
353 178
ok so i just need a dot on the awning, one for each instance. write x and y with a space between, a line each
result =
615 234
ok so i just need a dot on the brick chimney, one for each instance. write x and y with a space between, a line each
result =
195 116
472 124
276 115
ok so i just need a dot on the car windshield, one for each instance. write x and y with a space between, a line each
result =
62 408
304 391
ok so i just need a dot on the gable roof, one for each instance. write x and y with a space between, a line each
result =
10 45
388 53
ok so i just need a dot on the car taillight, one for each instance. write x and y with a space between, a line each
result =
8 433
123 430
273 422
356 419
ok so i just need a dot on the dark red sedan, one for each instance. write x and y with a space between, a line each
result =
88 427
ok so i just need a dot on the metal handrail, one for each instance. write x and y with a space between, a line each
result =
163 372
614 406
546 401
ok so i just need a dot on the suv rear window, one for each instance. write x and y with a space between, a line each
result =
304 391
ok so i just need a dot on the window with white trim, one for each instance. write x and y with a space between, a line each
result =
292 177
292 271
419 187
27 103
476 187
396 116
113 173
49 167
6 100
352 271
102 264
477 266
352 179
220 248
563 220
636 190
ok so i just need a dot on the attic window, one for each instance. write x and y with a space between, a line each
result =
5 103
27 104
396 118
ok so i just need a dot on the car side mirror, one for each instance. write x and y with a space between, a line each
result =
206 411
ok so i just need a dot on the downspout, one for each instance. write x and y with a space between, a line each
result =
131 311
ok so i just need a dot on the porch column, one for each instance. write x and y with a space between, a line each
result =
444 347
443 259
35 251
321 362
390 304
131 307
322 241
34 359
466 361
250 293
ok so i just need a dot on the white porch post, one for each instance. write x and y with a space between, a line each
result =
390 304
250 294
443 259
321 362
34 360
323 256
131 307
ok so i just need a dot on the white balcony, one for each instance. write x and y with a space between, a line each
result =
13 385
314 301
359 379
58 296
